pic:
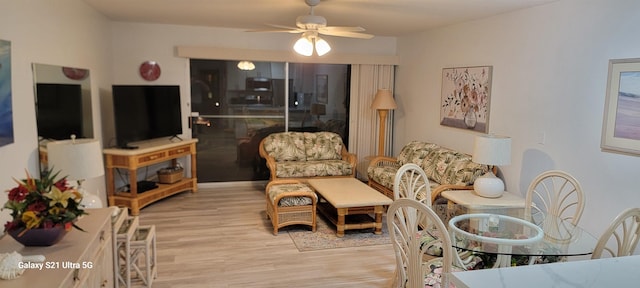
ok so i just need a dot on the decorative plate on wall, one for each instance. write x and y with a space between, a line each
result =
75 73
150 70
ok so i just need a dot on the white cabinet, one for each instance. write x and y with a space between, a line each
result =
80 259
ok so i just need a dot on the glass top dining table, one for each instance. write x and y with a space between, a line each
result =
506 231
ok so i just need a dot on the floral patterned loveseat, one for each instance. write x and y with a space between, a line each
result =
300 155
446 169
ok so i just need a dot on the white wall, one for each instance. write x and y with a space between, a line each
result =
549 78
64 32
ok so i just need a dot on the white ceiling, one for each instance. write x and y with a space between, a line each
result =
378 17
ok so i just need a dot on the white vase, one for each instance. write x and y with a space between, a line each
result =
90 200
489 186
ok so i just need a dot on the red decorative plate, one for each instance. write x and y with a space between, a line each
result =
75 73
150 70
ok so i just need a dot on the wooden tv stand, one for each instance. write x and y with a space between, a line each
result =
145 155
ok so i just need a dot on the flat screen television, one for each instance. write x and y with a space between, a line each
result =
144 112
59 110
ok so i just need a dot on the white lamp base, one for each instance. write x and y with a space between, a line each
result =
90 200
488 185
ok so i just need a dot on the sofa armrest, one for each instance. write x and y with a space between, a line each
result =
384 161
435 193
271 162
351 158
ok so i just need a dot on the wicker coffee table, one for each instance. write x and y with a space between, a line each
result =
349 203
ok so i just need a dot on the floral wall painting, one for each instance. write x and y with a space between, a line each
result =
621 127
6 112
466 92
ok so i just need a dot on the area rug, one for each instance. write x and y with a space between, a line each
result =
325 237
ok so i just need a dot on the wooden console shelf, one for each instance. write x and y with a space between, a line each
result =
145 155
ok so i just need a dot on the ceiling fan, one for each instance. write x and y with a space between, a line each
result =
311 26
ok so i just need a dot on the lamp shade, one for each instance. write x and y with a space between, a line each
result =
492 150
303 46
322 46
384 100
78 159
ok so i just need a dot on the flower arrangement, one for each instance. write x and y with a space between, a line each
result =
43 203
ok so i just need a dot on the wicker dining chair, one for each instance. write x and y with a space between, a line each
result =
555 192
412 182
624 232
403 220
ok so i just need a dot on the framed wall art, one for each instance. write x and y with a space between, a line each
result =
322 88
6 110
621 125
466 94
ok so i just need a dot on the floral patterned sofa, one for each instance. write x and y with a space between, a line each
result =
300 155
446 169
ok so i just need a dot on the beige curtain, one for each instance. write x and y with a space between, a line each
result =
363 121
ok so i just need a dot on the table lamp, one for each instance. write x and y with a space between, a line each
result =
491 150
78 159
383 102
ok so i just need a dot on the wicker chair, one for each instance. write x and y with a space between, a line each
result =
555 192
290 202
404 219
411 182
625 230
302 156
558 193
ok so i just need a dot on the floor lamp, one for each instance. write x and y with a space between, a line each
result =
78 159
383 102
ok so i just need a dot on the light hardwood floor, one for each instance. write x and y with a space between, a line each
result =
220 237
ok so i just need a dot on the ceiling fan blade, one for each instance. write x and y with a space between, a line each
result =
346 34
341 29
275 31
279 28
283 26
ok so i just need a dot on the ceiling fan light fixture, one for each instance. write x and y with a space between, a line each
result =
311 26
246 65
322 46
310 41
304 46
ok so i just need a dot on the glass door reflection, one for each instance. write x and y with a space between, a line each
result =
233 110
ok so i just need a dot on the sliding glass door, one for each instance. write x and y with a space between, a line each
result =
234 109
